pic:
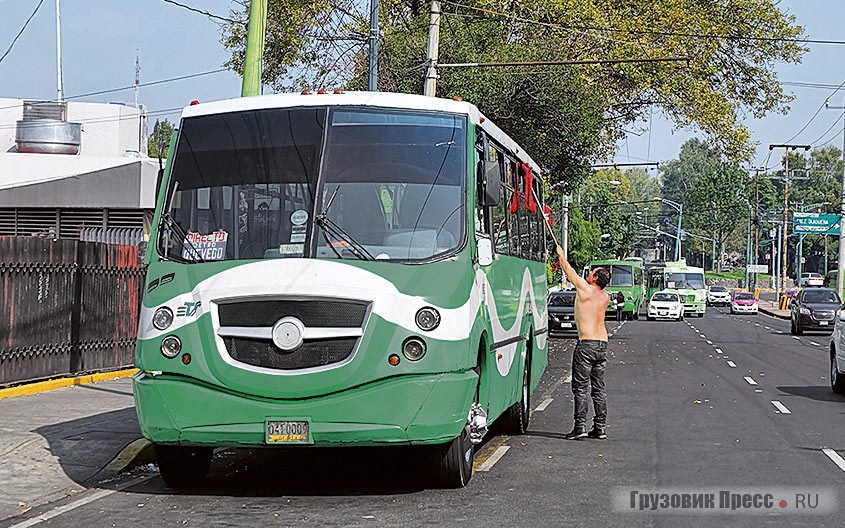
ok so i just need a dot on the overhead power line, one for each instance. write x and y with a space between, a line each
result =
12 45
647 31
203 12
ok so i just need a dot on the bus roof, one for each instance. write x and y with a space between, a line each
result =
371 99
681 267
615 262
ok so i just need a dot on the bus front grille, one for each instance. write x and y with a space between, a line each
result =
313 313
262 353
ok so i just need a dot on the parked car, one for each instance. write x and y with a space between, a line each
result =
665 304
815 309
837 355
562 313
718 295
744 302
811 279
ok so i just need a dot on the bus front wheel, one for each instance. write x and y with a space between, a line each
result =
183 466
455 461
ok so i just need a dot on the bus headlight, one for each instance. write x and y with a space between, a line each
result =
427 318
413 348
171 346
163 318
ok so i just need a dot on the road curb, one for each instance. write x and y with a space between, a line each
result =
48 385
137 453
772 313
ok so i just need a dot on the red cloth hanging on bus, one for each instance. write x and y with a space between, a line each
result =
514 179
528 178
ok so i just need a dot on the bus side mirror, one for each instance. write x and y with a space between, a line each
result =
485 252
491 183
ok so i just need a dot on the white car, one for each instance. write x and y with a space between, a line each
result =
810 279
718 295
665 304
837 354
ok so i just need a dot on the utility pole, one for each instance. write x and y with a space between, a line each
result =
59 91
254 56
784 230
432 53
840 266
372 83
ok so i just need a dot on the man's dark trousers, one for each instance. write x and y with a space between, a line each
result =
588 363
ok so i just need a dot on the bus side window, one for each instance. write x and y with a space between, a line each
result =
480 218
538 240
500 216
513 219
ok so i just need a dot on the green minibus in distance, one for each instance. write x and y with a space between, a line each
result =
346 269
626 276
688 281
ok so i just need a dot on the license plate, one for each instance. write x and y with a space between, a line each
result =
822 323
288 432
566 325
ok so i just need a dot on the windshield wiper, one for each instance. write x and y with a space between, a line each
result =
183 236
332 230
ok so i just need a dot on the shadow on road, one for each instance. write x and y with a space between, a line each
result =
814 392
83 447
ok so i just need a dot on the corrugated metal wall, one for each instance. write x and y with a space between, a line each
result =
66 307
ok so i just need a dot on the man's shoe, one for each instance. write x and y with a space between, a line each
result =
576 433
598 433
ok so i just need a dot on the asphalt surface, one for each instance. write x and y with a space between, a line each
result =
681 418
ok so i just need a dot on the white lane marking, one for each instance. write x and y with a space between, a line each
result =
796 338
767 328
731 364
756 324
718 350
545 403
779 331
709 342
750 380
814 343
568 378
703 336
46 516
781 407
495 457
831 454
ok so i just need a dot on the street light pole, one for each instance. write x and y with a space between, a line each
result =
678 240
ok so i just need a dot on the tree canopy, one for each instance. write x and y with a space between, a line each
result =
567 116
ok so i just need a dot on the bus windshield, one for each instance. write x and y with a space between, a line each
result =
685 281
249 185
621 276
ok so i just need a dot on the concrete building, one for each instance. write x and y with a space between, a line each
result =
75 170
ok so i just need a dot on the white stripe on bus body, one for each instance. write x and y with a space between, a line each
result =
311 278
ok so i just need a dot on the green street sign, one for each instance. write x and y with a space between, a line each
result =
815 224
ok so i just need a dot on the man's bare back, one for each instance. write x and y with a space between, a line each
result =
590 302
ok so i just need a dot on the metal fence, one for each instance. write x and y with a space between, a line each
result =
66 307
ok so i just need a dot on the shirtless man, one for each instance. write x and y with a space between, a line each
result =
590 355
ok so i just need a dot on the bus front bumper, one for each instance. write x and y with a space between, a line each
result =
426 409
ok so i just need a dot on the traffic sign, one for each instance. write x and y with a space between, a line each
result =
815 223
757 268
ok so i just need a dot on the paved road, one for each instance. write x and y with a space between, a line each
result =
691 407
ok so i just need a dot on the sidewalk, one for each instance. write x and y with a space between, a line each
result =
58 443
771 308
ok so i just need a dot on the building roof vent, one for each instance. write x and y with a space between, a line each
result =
44 129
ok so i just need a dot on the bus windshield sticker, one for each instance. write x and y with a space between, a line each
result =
206 247
292 249
297 233
670 284
299 217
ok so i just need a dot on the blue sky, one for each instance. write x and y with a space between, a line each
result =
100 39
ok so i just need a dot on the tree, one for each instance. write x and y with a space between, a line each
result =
715 193
159 141
732 48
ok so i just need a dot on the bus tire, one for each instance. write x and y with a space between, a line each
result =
514 421
183 466
455 461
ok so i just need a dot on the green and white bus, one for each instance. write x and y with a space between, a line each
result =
688 281
323 273
626 276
